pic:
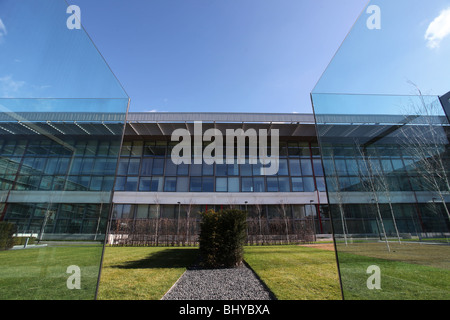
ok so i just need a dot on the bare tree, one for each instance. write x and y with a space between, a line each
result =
188 208
368 179
425 140
258 208
282 208
158 219
382 186
337 192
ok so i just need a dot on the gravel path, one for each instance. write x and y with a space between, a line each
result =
218 284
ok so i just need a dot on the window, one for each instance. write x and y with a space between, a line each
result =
233 169
306 167
257 169
136 150
320 184
170 184
272 184
352 167
158 167
171 168
146 168
133 167
127 211
283 167
283 184
96 183
99 166
308 184
318 170
221 184
208 184
221 169
294 166
123 166
297 184
182 184
247 185
246 169
108 183
157 184
233 184
142 211
196 184
144 184
208 169
183 169
196 170
131 184
259 184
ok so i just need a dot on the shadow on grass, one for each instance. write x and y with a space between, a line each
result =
167 258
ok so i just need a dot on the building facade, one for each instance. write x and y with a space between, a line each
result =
158 201
77 186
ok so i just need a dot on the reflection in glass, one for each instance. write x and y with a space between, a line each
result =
58 155
385 152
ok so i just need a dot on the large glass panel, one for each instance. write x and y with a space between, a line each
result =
247 185
182 184
384 140
233 184
170 184
221 185
196 184
63 126
297 184
208 184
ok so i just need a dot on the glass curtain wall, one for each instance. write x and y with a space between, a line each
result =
146 166
62 117
384 139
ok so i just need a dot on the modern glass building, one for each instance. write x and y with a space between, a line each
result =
61 189
157 201
370 165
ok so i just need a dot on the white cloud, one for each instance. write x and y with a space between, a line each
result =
2 30
438 29
9 86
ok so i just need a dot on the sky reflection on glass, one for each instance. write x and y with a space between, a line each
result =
409 52
42 58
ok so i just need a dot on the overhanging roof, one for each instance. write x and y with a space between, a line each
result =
165 123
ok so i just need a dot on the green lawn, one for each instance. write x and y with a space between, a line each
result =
408 271
291 272
296 272
142 273
41 273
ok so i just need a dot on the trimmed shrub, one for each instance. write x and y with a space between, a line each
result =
7 231
222 238
20 241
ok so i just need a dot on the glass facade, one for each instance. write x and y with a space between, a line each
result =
85 164
146 166
384 141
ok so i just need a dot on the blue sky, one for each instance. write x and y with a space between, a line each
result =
413 45
216 55
222 55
